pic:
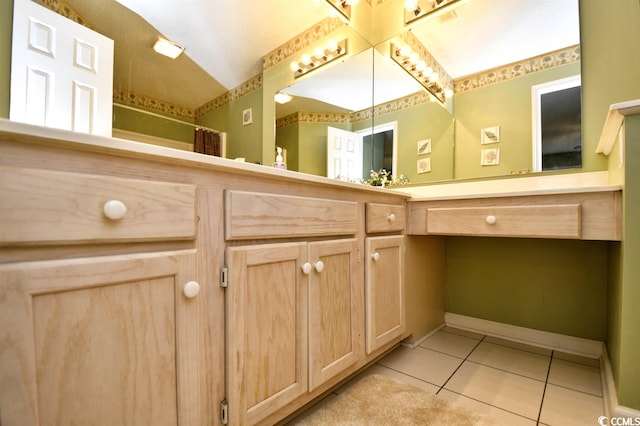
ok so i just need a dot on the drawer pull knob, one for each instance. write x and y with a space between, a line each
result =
491 219
114 209
375 256
306 268
319 266
191 289
391 217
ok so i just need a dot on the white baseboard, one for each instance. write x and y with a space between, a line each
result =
574 345
422 339
612 409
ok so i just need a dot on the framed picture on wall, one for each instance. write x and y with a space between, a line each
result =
247 116
424 165
424 147
490 135
490 157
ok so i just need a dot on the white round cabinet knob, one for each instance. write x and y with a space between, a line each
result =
114 209
306 268
375 256
319 266
491 219
191 289
391 217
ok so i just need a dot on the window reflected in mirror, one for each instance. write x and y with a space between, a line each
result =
557 118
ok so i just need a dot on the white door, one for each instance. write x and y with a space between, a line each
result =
344 154
61 72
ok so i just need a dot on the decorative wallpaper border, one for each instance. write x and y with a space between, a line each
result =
138 100
62 8
245 88
301 41
543 62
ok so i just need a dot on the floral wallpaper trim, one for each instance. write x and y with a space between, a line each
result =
301 41
245 88
544 62
62 8
129 98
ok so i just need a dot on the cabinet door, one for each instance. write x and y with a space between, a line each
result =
101 341
384 290
334 329
266 329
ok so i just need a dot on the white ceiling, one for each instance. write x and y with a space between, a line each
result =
226 41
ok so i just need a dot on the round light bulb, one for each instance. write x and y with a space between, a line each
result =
405 50
294 66
332 45
434 77
306 59
421 65
411 5
319 52
448 93
414 58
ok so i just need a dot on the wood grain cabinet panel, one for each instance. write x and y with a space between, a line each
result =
555 221
385 217
384 290
255 215
46 207
101 341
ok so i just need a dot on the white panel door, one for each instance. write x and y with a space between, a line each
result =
344 154
61 72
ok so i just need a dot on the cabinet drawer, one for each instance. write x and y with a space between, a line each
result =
550 221
254 215
385 218
44 207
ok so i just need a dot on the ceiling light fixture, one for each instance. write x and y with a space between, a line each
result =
167 48
320 56
282 98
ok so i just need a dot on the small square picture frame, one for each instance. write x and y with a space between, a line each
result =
490 157
490 135
247 116
424 165
424 147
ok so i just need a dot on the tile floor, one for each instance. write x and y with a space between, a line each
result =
513 383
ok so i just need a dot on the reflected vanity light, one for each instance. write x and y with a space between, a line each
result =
342 7
282 98
418 69
167 48
321 56
417 9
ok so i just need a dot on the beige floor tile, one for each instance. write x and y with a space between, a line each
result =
464 333
379 369
593 362
529 364
580 377
566 407
500 417
511 392
421 363
518 345
450 344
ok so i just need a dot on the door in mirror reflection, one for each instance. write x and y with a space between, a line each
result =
344 154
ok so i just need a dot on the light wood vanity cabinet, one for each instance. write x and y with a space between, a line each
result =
292 308
580 215
98 339
384 275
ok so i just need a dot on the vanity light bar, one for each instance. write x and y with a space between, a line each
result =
343 7
413 11
320 56
418 69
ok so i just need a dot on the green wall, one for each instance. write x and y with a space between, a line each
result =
426 121
558 286
6 28
148 124
242 140
508 105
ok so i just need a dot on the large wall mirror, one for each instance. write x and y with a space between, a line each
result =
486 48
